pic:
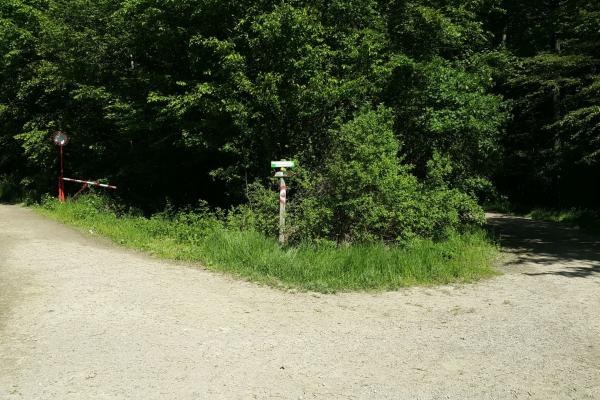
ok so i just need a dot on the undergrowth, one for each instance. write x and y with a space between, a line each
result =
208 238
587 220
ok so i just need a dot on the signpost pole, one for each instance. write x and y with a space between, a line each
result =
281 173
282 200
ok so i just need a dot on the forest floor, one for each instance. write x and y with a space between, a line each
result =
82 318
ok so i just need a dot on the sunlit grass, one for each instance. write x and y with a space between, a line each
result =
252 256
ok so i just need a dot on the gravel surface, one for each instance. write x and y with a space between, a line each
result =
83 319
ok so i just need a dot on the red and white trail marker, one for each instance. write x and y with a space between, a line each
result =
282 200
282 192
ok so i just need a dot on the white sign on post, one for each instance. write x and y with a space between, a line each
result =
282 164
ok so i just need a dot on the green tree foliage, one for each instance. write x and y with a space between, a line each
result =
191 99
552 147
19 26
363 193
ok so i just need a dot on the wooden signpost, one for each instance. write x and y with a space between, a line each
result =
281 173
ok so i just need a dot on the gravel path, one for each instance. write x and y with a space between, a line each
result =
83 319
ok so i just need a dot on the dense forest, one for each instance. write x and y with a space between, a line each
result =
403 115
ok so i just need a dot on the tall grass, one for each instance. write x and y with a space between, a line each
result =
200 237
587 220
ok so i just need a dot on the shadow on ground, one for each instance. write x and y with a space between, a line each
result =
564 249
10 202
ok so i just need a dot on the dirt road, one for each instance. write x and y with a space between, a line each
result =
83 319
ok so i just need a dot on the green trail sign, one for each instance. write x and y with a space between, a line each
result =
283 164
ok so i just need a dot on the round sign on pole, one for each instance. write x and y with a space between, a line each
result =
60 138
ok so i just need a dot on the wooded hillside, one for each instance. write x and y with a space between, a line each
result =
392 108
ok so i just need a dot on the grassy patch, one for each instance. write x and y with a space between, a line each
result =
587 220
501 206
250 255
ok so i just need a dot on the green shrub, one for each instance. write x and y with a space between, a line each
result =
364 193
587 220
261 213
